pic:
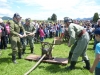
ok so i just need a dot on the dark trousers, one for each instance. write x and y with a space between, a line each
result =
0 44
56 33
97 71
50 34
21 39
7 39
41 39
37 37
3 42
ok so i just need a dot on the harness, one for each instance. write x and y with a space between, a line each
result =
82 32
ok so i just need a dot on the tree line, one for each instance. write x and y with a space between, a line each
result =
54 17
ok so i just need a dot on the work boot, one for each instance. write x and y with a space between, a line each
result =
69 57
32 49
72 65
87 62
19 55
23 52
14 59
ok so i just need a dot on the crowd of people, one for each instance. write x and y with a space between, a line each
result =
50 30
19 33
4 34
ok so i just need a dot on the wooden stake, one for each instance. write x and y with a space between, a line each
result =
35 65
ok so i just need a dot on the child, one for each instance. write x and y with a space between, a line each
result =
42 34
62 31
96 64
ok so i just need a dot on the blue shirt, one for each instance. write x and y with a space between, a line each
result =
97 51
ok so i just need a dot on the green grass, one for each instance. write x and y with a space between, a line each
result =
8 68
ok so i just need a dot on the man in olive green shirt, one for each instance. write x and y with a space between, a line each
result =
80 38
30 31
15 28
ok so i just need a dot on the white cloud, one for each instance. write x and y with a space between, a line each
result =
3 0
18 7
5 12
3 4
71 8
5 8
62 8
50 4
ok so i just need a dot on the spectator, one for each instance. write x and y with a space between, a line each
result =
8 32
3 36
96 26
96 64
42 34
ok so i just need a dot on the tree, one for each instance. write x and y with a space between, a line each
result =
95 17
49 18
54 17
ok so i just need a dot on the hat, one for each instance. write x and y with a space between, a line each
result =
97 31
28 19
17 15
67 19
1 20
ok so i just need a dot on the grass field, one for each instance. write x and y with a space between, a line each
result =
8 68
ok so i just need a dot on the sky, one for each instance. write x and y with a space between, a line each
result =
42 9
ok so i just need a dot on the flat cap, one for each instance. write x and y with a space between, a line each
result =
67 19
17 15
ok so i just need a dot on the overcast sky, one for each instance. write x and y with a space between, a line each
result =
42 9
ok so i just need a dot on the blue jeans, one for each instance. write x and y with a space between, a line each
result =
97 71
56 33
42 39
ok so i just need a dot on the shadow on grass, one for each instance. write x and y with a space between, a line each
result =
91 43
10 54
37 43
5 60
28 53
9 47
90 49
54 68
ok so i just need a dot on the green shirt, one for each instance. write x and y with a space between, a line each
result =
15 28
29 28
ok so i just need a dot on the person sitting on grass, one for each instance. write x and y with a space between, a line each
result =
96 64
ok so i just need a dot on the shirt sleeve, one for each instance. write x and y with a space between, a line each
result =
24 27
72 36
97 48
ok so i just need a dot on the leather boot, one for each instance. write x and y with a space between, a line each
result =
19 55
32 49
23 52
14 59
72 65
87 62
69 57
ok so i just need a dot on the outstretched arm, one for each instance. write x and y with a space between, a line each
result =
95 63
